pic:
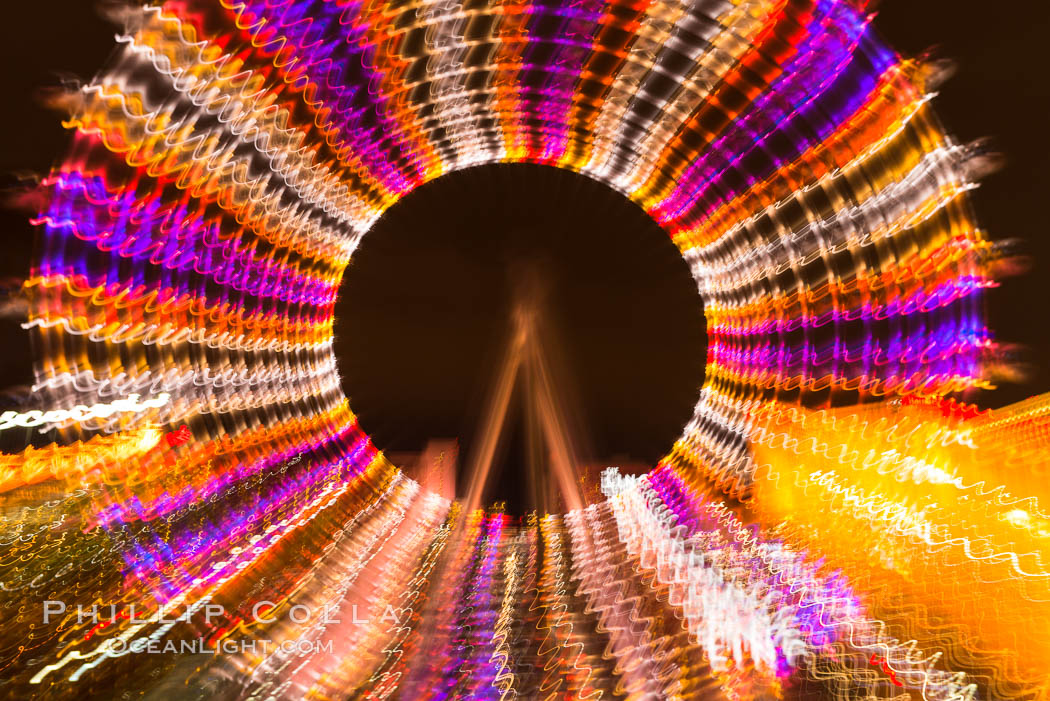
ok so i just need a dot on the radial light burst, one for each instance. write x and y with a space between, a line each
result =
829 524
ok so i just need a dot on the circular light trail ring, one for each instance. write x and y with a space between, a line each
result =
224 168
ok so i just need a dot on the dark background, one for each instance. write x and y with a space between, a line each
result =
629 355
1001 91
428 303
41 43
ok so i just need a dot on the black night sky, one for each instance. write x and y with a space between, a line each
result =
426 314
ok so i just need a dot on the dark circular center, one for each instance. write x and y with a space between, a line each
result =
433 297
